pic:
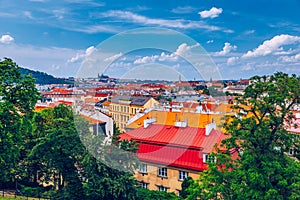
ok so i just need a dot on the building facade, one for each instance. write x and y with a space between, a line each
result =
122 108
169 154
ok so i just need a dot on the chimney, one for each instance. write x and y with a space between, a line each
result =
181 124
209 128
147 122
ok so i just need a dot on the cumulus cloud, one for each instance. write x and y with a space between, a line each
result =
182 50
272 46
290 59
232 60
81 56
209 41
6 39
226 49
146 59
212 13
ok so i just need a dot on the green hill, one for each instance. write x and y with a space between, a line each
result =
44 78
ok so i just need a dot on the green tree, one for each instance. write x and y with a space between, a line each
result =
146 194
184 187
18 97
108 167
59 151
263 170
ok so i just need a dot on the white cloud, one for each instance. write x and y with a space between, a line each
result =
81 56
209 41
28 14
212 13
182 50
272 46
178 23
183 10
232 60
94 29
119 64
146 59
59 13
6 39
247 68
249 32
51 60
114 57
226 49
290 59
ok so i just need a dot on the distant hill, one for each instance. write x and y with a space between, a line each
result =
44 78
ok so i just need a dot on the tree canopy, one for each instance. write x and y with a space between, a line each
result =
18 97
258 134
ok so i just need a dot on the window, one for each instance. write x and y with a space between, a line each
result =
182 175
162 171
143 168
162 188
292 152
143 185
205 157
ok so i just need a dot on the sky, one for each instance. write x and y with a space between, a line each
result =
241 38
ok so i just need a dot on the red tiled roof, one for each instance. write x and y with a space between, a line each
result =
101 94
62 91
172 156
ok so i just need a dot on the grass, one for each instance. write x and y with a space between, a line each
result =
12 197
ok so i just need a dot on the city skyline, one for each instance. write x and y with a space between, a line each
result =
242 39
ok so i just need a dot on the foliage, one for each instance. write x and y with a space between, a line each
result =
60 158
262 170
155 195
213 92
108 168
43 78
18 97
184 187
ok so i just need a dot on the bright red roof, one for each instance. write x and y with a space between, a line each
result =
161 134
169 145
101 94
172 156
187 137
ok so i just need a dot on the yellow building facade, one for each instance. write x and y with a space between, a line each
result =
162 178
122 108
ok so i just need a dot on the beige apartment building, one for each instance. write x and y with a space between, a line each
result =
169 154
122 108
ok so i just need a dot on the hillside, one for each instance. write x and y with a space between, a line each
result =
44 78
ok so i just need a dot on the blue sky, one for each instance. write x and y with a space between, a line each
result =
243 38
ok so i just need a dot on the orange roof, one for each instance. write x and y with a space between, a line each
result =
195 120
91 120
106 103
